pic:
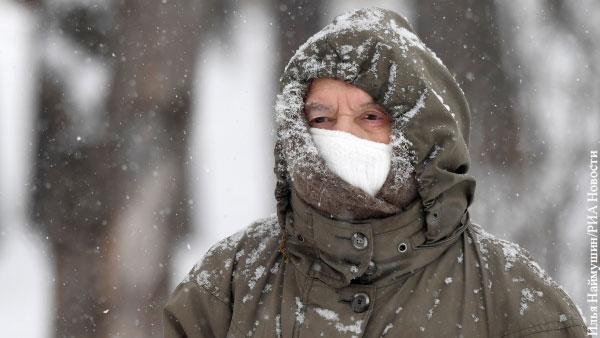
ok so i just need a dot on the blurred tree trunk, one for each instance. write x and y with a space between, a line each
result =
563 14
113 205
297 20
466 37
149 112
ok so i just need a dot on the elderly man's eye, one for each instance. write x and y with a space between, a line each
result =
374 116
319 119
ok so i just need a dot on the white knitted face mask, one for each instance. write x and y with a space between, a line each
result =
364 164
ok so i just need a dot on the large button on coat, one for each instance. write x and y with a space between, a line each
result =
360 302
359 241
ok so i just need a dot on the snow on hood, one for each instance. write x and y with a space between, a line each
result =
378 51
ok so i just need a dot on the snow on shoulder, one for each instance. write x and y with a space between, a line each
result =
510 266
239 255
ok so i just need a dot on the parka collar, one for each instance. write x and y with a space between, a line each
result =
376 251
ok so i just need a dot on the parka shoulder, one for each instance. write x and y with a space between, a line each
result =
202 303
522 294
237 258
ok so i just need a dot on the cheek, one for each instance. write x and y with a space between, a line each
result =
379 133
383 137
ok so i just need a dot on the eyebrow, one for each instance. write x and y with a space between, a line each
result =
316 106
312 106
373 104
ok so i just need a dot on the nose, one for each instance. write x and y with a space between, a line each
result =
345 122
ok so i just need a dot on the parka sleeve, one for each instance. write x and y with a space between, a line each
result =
193 311
574 329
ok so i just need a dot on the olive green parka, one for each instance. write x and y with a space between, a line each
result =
424 270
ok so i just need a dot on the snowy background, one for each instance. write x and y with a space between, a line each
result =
545 52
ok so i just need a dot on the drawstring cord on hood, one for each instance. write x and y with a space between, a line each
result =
281 247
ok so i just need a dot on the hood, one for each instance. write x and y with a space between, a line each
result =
378 51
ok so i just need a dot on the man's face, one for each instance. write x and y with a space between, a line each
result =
336 105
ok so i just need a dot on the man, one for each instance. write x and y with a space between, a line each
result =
372 235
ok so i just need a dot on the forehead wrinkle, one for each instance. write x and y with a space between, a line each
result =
354 92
